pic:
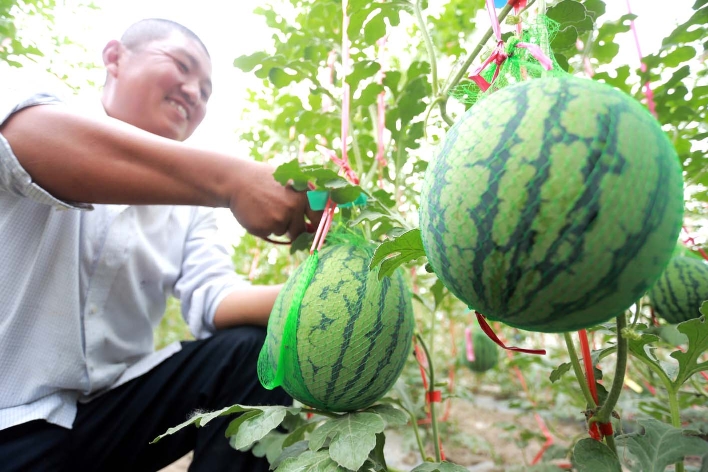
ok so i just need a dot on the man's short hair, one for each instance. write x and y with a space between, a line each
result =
153 29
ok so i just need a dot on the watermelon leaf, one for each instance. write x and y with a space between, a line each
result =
317 461
390 414
590 455
202 419
377 455
394 252
289 452
353 437
558 372
659 446
270 447
250 427
697 332
439 467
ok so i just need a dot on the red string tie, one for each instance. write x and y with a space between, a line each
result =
492 335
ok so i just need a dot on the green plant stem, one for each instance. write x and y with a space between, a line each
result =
610 440
431 389
577 368
428 45
416 431
605 413
675 418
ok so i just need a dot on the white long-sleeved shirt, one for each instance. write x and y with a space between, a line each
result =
82 287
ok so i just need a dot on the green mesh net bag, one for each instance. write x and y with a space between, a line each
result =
337 337
518 63
553 204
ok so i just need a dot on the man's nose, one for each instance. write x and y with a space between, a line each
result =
191 92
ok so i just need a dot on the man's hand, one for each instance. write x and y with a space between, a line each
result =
264 207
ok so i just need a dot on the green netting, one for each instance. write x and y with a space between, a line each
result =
552 205
520 64
337 337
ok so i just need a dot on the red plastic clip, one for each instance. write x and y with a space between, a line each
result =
434 396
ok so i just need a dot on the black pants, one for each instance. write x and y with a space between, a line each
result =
113 431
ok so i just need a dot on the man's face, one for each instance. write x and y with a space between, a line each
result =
162 87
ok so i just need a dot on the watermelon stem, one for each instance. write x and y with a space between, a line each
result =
431 390
578 370
605 413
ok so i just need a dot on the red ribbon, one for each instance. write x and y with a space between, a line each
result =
489 332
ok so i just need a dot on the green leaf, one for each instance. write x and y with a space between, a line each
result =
280 77
291 172
392 253
353 437
310 461
343 194
375 29
595 8
234 425
377 453
567 11
202 419
558 372
290 452
439 292
679 56
253 428
391 415
299 434
590 455
660 445
248 62
362 70
270 447
696 330
439 467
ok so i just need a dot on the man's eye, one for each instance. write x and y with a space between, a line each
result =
205 95
182 66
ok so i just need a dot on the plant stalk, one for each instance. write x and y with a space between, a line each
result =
428 45
577 368
675 418
605 413
431 389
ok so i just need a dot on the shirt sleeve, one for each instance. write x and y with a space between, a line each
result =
14 179
207 276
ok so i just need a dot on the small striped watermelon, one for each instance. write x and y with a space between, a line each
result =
681 289
486 353
353 333
553 205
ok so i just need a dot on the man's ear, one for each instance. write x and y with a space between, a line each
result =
112 53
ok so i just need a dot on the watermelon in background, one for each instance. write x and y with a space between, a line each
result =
353 333
553 205
681 289
486 353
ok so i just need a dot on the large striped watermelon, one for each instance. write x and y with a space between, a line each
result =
553 205
681 289
486 353
353 333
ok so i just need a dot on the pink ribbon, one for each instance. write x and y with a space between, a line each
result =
537 53
498 56
469 345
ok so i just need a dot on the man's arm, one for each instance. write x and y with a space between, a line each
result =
246 305
103 160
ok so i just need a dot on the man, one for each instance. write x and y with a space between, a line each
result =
82 286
